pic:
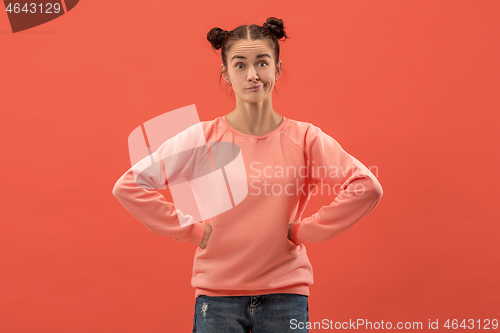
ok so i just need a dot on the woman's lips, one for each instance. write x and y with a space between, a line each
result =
255 88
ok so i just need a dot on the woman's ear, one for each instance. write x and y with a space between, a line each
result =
224 72
278 69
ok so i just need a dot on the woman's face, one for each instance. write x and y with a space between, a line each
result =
251 63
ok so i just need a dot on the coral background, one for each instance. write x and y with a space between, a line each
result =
408 87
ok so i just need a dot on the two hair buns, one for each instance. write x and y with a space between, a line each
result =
216 35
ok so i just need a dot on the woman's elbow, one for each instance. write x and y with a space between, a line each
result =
372 188
117 190
378 191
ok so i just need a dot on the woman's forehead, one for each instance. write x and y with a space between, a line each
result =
250 48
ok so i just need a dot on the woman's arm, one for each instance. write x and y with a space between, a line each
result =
136 191
358 189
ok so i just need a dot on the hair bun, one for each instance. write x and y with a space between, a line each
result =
276 26
216 36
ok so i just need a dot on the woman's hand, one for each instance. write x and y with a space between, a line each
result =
290 230
206 235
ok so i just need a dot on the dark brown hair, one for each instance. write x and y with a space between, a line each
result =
271 31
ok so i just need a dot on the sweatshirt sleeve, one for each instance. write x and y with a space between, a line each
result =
358 189
138 194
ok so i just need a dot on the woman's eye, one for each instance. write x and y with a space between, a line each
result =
240 64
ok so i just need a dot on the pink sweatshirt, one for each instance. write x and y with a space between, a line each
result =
248 252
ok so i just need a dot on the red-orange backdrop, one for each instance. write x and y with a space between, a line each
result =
408 87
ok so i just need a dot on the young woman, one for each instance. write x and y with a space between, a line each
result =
251 271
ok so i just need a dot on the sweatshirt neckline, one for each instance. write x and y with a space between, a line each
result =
256 137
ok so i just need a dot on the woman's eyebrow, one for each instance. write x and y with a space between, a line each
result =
243 57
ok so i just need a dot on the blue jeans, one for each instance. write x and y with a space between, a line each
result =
270 313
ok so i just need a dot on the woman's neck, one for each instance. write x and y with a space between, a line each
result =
254 121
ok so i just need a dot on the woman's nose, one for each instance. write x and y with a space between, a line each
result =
252 73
